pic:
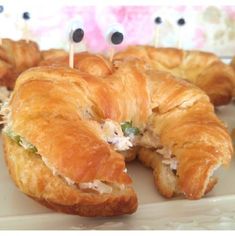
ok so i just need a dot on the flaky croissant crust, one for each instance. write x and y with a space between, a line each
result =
92 64
16 57
203 69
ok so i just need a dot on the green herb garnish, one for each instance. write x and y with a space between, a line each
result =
128 129
20 141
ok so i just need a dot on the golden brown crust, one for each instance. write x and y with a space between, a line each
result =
201 68
92 64
7 75
52 53
55 193
16 57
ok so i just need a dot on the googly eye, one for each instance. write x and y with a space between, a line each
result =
26 15
115 34
76 31
1 8
77 35
117 38
158 20
158 17
181 22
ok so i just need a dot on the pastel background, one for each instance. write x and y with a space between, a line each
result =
210 28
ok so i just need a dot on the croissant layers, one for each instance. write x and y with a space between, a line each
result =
203 69
16 57
63 138
92 64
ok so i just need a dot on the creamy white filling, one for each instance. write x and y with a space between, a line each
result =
6 113
120 143
150 140
167 158
25 144
172 162
50 166
188 103
4 94
165 152
112 133
69 181
97 185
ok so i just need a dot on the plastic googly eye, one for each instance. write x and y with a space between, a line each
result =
1 8
115 34
77 31
77 35
158 20
181 22
26 15
117 38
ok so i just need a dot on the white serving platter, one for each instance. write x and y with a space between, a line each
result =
215 211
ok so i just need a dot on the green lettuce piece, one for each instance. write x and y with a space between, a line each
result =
21 141
128 129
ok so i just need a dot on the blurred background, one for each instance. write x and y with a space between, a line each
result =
209 28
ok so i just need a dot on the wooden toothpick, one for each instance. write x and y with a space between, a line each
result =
76 36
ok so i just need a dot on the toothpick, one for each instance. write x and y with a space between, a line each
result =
25 31
181 22
111 53
156 39
71 55
75 37
179 41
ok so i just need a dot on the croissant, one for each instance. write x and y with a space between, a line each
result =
52 53
65 131
203 69
16 57
96 65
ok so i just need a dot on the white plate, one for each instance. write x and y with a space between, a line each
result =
215 211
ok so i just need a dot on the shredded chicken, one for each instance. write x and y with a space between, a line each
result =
149 140
5 112
97 185
4 94
172 162
112 133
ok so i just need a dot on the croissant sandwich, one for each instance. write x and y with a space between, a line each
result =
16 57
203 69
65 132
